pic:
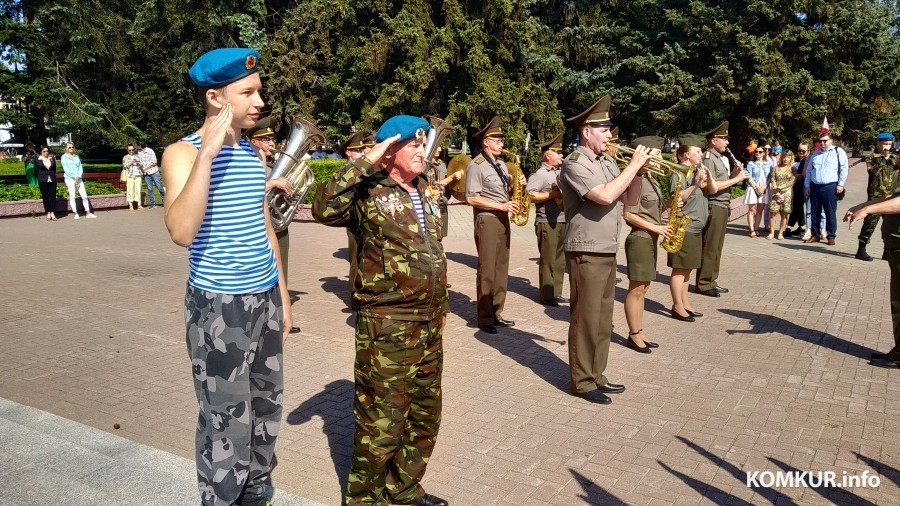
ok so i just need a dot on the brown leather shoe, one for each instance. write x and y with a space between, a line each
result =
812 240
831 242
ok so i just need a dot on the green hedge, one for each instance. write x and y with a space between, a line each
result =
322 170
10 193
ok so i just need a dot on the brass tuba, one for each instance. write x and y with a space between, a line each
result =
519 194
291 166
439 131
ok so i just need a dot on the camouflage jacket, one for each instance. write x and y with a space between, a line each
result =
402 274
882 175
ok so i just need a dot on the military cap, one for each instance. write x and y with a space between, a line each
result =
597 114
693 140
884 137
615 135
409 127
494 128
650 141
720 131
223 66
262 128
554 145
359 140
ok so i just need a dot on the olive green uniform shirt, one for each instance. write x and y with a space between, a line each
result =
697 206
649 207
591 227
482 180
720 168
543 181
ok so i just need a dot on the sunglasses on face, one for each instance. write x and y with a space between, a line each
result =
760 151
802 151
824 140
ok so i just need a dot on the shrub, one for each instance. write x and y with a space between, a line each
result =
12 162
322 170
11 193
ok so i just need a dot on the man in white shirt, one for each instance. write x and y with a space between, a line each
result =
152 178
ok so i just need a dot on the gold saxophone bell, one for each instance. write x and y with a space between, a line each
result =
519 195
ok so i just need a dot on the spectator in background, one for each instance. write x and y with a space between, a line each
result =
782 184
825 177
336 156
73 171
318 154
46 177
756 196
132 163
30 160
152 177
798 213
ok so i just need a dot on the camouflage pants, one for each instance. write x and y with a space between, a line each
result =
870 223
234 342
397 408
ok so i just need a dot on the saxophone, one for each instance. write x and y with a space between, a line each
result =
677 221
519 195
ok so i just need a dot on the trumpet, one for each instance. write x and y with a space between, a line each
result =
656 165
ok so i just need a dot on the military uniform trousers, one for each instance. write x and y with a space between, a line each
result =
397 408
284 246
713 243
445 217
492 238
552 261
893 258
870 223
235 346
592 277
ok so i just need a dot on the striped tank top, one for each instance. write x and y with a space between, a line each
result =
231 253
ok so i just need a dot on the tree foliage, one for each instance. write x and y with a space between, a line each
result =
116 70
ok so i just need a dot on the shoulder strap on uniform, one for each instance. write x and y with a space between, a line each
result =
574 156
706 156
479 159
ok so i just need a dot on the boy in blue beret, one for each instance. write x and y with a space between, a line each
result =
237 305
400 292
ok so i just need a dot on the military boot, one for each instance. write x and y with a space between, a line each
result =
861 253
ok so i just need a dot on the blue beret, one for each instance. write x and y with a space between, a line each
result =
224 66
884 136
407 126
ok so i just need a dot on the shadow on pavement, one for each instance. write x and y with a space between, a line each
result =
764 324
716 495
341 289
817 248
883 469
517 344
833 495
594 494
516 284
334 405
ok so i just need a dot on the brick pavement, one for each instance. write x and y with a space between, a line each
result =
772 378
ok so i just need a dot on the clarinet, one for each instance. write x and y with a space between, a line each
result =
739 165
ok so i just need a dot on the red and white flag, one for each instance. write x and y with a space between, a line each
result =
825 130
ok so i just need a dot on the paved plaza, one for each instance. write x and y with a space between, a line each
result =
772 378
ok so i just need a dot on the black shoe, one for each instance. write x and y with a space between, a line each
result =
633 345
710 293
884 362
680 318
695 314
595 396
500 322
862 255
488 329
788 232
550 303
720 289
612 388
430 500
294 330
879 356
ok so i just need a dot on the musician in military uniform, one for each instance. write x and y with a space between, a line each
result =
401 295
357 145
488 191
882 173
642 246
718 192
592 187
549 223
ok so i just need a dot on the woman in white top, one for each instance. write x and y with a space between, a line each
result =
73 171
756 197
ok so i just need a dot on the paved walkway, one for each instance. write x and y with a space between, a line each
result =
774 377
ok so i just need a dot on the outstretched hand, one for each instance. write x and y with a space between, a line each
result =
855 213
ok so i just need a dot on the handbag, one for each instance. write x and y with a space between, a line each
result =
123 177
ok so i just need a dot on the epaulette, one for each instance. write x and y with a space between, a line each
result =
706 156
479 159
574 156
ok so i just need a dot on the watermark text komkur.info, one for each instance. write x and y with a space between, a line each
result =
811 479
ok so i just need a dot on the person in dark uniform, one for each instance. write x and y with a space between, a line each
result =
641 247
549 224
261 137
689 153
401 296
488 190
592 188
353 149
718 192
883 166
439 180
888 208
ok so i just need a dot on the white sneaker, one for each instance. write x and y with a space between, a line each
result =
90 215
806 236
77 217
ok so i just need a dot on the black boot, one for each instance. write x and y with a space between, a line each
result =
861 253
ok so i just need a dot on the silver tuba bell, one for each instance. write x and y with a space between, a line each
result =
291 166
439 131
